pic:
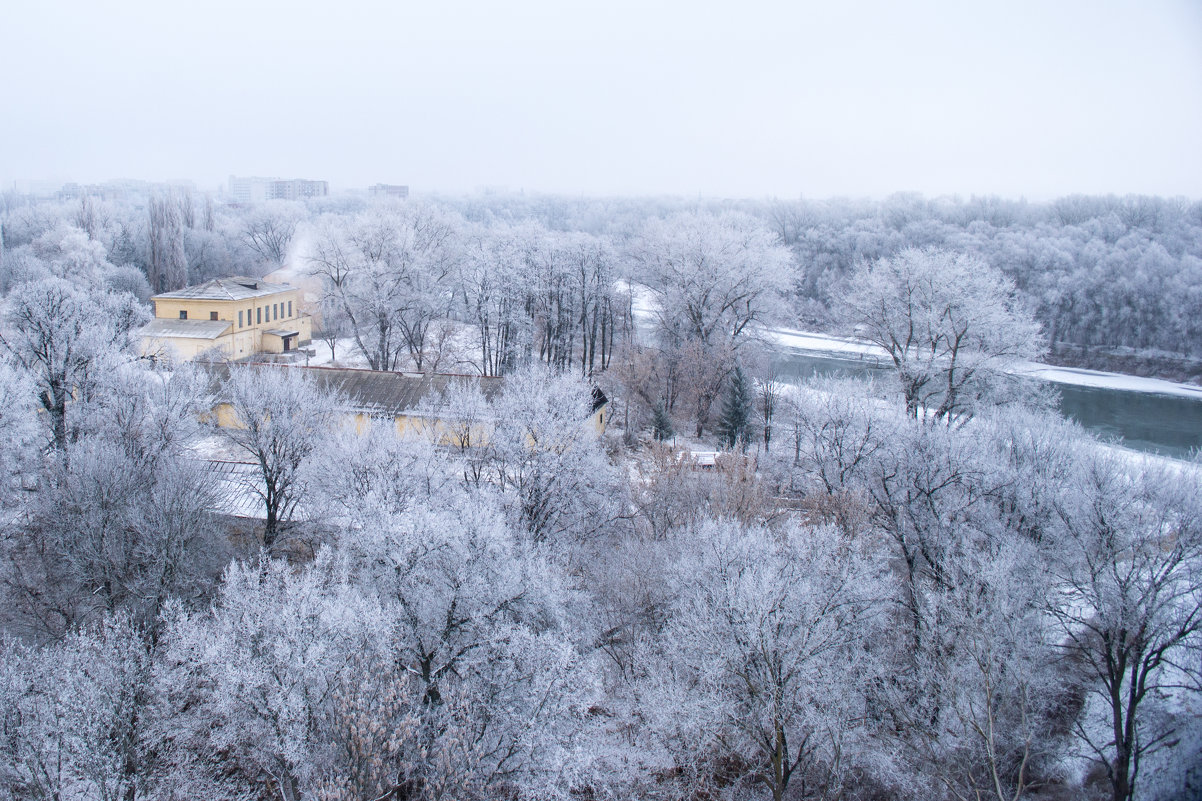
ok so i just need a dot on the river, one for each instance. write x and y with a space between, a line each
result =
1169 425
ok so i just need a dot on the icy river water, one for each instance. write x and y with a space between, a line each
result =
1170 425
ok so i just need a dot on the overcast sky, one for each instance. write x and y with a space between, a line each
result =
752 99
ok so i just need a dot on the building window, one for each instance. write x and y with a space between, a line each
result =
239 318
289 308
276 306
183 315
259 315
212 315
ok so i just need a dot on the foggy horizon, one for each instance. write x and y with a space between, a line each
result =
1017 100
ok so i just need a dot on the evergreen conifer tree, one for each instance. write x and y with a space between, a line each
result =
734 428
661 424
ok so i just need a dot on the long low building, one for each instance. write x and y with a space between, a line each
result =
228 317
407 400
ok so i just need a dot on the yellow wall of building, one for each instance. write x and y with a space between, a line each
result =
433 428
242 340
273 308
179 349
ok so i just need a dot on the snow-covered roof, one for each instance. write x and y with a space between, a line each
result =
235 288
187 329
374 392
240 488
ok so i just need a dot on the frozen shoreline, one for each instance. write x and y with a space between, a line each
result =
839 348
643 306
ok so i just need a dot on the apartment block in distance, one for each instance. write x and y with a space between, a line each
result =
257 190
230 317
388 190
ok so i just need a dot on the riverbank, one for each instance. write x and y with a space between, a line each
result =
854 350
1124 361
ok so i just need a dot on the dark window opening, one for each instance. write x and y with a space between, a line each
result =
289 308
183 315
212 315
259 315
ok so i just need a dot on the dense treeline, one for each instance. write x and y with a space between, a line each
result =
922 589
1103 275
1098 271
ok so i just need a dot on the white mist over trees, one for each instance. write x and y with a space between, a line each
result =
928 587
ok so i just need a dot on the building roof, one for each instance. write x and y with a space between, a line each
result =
376 392
234 288
186 329
239 487
386 394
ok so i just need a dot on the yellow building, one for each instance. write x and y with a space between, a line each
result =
403 399
230 317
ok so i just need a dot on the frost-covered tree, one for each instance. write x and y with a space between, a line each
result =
569 296
124 523
389 268
768 394
715 278
981 715
475 618
546 455
463 420
950 325
73 715
167 263
1129 606
246 690
278 417
765 677
359 475
835 433
19 432
493 283
66 339
425 655
71 254
268 230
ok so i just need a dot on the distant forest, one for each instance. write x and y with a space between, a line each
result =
1115 282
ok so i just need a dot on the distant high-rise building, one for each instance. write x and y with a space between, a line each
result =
297 188
257 190
249 190
388 190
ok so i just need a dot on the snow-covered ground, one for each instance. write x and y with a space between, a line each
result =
1119 381
347 351
838 347
824 344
